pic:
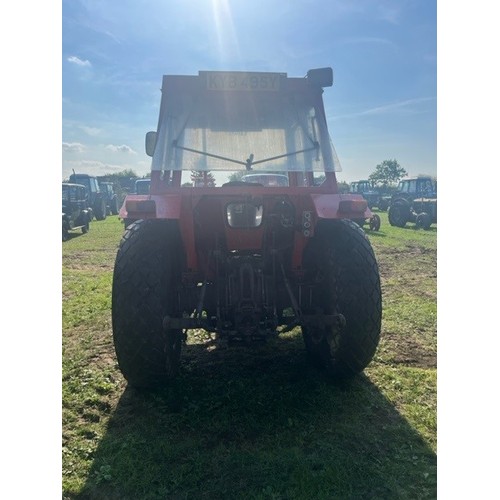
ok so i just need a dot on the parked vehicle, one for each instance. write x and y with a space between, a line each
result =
373 222
374 198
142 186
76 213
96 196
244 260
110 196
414 201
267 179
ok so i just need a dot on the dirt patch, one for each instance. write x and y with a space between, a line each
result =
396 349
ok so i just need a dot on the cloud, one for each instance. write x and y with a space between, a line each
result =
93 164
73 147
78 61
92 167
92 131
96 167
121 149
405 106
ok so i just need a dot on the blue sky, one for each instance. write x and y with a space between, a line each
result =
383 54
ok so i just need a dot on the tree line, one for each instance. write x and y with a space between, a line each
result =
385 176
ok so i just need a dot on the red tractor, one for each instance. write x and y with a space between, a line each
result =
273 248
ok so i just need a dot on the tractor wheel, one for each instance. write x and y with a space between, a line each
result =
101 209
341 261
383 205
127 222
374 222
399 214
423 221
146 277
114 206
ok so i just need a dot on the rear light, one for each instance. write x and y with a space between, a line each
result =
307 223
244 215
357 206
141 206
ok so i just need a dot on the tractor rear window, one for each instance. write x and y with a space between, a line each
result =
142 187
271 131
72 193
267 179
426 186
85 181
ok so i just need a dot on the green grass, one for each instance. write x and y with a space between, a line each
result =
259 424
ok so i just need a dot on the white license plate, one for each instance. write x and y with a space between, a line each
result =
231 80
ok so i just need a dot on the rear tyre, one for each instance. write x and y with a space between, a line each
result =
341 262
374 222
399 214
145 280
114 206
423 221
127 222
383 205
100 209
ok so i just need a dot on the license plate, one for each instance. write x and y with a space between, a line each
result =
231 80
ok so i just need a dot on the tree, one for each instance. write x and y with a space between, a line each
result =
200 178
236 176
343 186
127 173
387 173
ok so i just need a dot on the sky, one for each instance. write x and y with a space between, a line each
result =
381 106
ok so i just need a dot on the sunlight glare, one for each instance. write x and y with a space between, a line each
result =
227 40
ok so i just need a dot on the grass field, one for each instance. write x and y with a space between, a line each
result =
258 424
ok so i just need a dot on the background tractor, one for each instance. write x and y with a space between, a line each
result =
76 213
374 198
97 198
414 201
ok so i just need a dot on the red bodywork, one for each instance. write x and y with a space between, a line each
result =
266 251
201 211
201 214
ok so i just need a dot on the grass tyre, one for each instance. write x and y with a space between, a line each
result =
127 222
423 221
101 209
383 205
374 222
344 267
399 214
145 279
114 206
